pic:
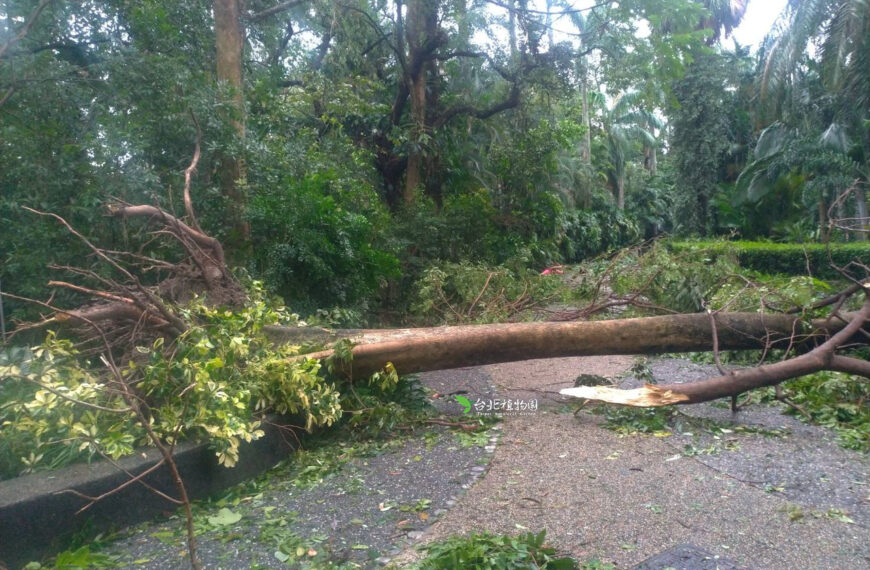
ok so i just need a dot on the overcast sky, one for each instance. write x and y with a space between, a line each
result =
759 19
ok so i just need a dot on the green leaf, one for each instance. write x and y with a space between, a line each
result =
465 402
225 517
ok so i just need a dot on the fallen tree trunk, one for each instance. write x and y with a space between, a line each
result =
438 348
822 357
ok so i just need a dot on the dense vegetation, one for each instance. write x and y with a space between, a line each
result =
410 161
349 147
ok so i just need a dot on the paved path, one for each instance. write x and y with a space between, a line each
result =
765 502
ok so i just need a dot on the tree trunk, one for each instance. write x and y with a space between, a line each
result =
438 348
586 153
414 169
229 47
823 220
620 190
422 35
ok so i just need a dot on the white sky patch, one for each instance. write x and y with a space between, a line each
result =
758 21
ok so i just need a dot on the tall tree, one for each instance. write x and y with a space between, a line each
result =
229 51
699 140
626 123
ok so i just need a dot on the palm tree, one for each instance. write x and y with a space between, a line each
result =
724 16
839 32
625 123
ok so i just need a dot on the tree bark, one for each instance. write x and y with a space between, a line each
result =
736 382
422 36
229 46
438 348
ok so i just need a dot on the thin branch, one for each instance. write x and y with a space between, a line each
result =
26 28
92 292
482 290
564 12
119 488
830 300
179 324
511 101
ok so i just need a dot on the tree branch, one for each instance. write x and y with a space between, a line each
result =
276 9
510 102
188 203
26 28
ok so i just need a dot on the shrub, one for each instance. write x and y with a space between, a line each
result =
586 233
789 259
210 384
681 281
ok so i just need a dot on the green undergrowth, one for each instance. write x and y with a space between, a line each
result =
497 552
835 400
460 293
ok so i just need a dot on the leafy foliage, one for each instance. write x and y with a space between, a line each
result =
632 421
465 293
834 400
681 281
208 385
486 551
315 247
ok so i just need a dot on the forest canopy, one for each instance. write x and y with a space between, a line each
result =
347 146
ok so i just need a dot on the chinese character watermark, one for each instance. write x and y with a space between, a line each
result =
498 406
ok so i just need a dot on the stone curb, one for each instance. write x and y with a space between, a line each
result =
38 519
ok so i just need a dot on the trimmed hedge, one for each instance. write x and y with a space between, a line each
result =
785 258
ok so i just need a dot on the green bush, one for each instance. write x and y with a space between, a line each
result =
789 259
314 249
681 281
586 234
